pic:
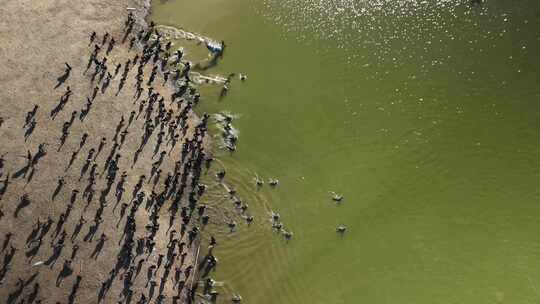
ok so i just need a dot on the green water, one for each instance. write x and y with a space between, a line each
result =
423 115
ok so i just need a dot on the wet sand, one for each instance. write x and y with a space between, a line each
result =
37 38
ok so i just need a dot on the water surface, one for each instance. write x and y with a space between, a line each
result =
424 114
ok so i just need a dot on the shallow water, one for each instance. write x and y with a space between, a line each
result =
423 114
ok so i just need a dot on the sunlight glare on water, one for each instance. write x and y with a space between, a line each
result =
389 28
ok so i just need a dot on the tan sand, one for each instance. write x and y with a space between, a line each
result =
37 37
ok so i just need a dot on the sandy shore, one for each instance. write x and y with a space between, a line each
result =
37 38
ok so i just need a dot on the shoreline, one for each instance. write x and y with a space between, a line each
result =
142 21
